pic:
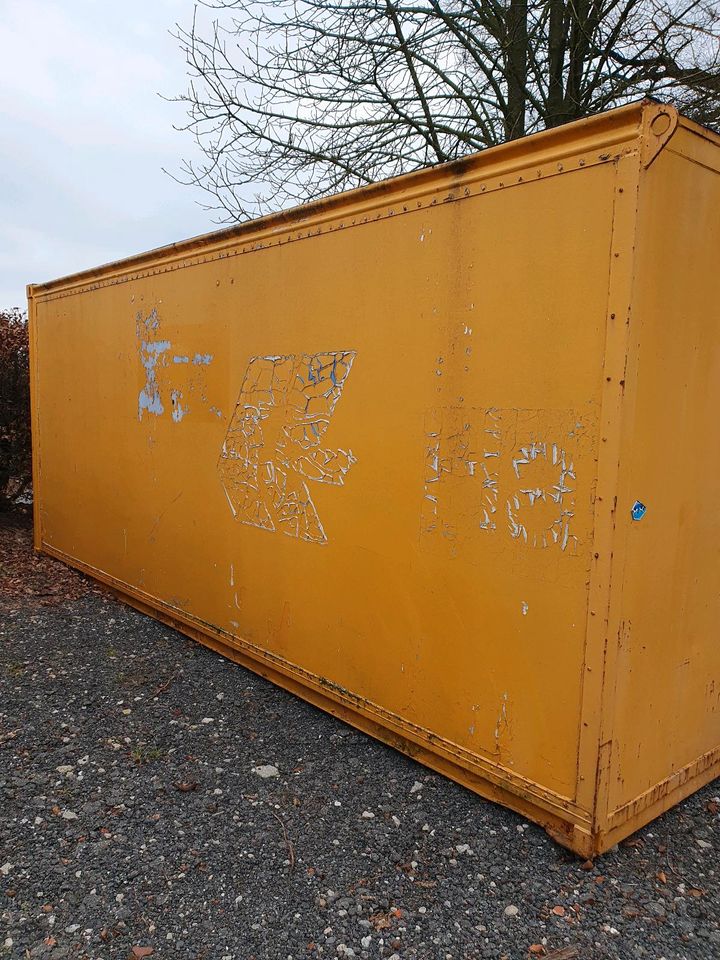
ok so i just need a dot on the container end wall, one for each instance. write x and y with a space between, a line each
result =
666 737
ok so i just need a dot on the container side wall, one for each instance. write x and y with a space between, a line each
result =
370 454
667 598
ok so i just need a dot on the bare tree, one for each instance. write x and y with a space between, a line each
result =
290 100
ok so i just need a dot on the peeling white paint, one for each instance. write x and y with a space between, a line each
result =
557 530
178 410
151 352
540 508
230 503
274 441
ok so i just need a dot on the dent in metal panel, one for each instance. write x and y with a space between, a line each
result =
275 441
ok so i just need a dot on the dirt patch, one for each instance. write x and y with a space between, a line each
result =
28 579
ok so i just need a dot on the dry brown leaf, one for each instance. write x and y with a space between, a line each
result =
633 842
186 786
30 581
661 876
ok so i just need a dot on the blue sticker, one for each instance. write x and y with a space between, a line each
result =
638 510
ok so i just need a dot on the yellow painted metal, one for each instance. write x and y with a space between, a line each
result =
384 449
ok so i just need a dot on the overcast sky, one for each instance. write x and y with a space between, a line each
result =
84 136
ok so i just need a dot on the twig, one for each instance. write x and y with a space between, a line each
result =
288 842
166 686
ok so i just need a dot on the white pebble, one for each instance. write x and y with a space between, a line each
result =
266 770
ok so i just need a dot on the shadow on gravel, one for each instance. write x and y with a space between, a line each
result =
157 800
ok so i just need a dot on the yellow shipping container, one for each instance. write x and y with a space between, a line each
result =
438 455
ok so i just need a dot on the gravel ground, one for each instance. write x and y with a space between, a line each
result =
157 800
